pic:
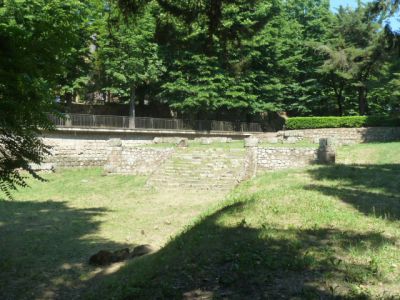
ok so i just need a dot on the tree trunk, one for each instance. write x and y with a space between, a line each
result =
338 90
362 100
68 97
132 109
340 104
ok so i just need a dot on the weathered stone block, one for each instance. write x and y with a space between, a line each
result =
206 141
182 142
326 151
114 143
251 142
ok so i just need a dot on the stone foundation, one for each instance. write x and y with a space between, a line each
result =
130 153
284 158
343 136
71 149
136 160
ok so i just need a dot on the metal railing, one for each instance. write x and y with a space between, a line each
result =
100 121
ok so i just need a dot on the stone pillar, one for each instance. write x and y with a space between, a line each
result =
251 142
326 151
251 145
182 142
68 122
114 159
132 124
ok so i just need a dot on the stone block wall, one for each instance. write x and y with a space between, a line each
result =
342 136
136 160
284 158
85 149
125 152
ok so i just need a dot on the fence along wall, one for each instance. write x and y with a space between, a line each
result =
103 121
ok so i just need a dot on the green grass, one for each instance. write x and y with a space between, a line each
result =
49 232
374 153
196 145
317 233
235 145
232 144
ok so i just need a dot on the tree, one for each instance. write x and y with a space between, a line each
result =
354 54
385 7
127 53
35 43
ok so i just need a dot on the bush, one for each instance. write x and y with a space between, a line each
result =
340 122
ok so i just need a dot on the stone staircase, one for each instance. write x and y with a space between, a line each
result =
200 169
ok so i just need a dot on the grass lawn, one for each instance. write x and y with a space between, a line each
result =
319 233
315 233
49 232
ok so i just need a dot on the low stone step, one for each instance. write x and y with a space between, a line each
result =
209 169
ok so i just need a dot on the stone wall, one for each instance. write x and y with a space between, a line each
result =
136 160
284 158
340 135
126 152
91 147
81 149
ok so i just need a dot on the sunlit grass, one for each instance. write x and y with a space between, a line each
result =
328 231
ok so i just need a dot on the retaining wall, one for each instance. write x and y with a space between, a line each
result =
91 147
136 160
125 152
284 158
340 135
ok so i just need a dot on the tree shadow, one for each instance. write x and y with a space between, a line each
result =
372 189
45 246
215 261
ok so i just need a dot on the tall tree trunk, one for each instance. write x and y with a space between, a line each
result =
340 104
338 90
362 100
132 108
68 101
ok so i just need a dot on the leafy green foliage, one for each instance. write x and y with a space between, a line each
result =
340 122
37 38
127 54
240 59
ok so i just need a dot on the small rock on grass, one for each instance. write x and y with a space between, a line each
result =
101 258
104 257
142 250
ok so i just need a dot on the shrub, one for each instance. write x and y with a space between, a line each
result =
341 122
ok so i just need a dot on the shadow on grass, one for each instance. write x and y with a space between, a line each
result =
372 189
237 261
44 247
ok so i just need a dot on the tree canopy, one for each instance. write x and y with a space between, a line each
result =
237 59
38 41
